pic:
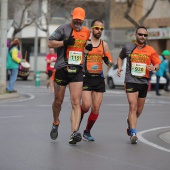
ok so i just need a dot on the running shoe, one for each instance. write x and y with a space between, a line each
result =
54 132
128 128
75 137
87 136
133 138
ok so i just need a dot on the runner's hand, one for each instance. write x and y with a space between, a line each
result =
69 41
119 70
151 68
89 47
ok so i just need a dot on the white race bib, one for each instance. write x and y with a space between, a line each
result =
75 57
138 69
52 64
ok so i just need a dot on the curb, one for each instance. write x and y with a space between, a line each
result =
9 96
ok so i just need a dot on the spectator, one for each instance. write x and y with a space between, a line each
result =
50 59
163 71
13 62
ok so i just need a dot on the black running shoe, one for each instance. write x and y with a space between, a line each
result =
54 132
128 128
133 138
75 137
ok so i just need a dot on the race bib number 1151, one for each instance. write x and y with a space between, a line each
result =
75 57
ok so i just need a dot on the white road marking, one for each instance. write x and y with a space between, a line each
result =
150 143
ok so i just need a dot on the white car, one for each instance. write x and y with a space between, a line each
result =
113 80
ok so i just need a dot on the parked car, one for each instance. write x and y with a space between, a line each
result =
113 80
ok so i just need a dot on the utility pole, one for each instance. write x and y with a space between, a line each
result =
3 41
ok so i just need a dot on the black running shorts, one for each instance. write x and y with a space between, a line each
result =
49 73
135 87
94 84
63 78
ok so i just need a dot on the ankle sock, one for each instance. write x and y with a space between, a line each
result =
133 131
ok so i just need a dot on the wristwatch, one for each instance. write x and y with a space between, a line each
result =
155 69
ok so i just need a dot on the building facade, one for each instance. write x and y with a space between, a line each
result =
157 22
118 32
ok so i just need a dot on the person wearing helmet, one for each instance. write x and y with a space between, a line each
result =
69 41
163 71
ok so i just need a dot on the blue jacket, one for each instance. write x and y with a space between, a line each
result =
163 68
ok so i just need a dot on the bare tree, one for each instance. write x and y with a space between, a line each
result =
21 7
130 4
96 10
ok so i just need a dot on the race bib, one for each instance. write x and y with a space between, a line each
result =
52 64
138 69
75 57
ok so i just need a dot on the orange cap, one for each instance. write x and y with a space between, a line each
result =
78 13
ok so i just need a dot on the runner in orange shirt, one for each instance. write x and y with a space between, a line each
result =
70 41
93 80
141 59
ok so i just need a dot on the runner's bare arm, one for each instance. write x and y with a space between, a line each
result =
119 64
107 56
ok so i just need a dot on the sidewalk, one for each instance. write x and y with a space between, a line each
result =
162 92
9 96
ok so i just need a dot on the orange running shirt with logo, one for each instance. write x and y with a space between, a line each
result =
138 59
142 58
94 59
75 53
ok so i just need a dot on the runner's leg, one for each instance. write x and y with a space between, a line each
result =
96 103
133 103
141 102
75 95
86 104
59 92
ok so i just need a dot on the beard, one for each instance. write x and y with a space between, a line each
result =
140 42
77 25
97 36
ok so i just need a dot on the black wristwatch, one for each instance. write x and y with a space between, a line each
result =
155 69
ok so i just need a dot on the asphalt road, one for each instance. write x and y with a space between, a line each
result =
25 124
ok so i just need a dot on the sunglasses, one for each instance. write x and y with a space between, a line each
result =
140 34
98 28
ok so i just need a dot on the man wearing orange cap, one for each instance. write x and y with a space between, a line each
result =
70 41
